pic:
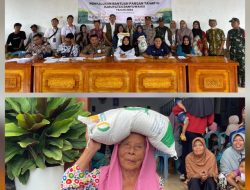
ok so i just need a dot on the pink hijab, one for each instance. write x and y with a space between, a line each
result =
111 176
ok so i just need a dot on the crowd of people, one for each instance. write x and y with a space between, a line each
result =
209 157
145 40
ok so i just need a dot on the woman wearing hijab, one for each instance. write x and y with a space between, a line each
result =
201 167
139 37
232 156
200 40
125 50
120 29
184 31
132 166
185 49
200 112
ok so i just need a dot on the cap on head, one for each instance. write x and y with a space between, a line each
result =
160 19
234 20
147 17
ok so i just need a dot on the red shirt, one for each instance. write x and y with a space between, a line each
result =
196 124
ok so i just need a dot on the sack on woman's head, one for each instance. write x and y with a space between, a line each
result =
114 125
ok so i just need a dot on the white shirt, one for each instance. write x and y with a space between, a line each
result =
128 53
55 40
112 29
68 29
166 39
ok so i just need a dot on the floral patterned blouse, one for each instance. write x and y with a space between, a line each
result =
75 179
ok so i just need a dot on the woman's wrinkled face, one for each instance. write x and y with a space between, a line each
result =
238 143
131 152
125 41
242 167
186 41
198 148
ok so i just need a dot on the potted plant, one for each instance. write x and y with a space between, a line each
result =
40 133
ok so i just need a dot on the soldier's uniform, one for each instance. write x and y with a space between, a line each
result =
236 38
100 48
149 31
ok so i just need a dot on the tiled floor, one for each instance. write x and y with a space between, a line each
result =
173 183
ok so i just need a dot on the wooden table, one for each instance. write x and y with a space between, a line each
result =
108 75
196 74
212 74
18 77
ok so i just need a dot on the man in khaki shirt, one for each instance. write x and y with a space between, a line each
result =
95 48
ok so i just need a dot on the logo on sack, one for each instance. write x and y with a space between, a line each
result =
103 126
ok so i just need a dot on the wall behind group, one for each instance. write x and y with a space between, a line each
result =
39 12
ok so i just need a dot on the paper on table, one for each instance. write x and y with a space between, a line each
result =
181 57
129 58
51 61
20 60
78 58
98 58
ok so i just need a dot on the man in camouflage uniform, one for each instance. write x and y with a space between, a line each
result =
215 39
236 48
95 48
164 32
149 30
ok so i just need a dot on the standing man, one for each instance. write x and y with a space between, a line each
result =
15 41
34 29
236 47
97 30
130 28
164 32
149 30
53 35
215 39
109 29
69 28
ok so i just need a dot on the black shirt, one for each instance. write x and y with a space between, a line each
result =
15 39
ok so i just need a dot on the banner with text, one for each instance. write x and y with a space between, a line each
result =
89 10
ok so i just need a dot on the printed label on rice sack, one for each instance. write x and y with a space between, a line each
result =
114 125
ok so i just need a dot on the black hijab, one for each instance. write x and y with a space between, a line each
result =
186 48
197 31
126 47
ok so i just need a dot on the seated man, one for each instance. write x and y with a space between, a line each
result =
15 41
68 48
38 49
95 48
158 49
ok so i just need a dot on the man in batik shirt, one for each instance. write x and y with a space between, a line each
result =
236 48
38 49
215 39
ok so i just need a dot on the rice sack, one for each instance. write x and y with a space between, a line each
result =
114 125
